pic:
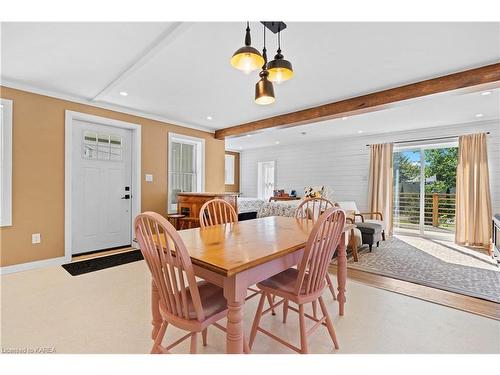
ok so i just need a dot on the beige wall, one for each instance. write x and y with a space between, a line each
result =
38 171
235 188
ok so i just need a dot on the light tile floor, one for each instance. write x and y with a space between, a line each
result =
109 312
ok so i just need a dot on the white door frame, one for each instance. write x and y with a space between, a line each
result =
70 117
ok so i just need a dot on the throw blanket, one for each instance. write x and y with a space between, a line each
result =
283 208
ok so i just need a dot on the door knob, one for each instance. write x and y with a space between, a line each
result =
127 196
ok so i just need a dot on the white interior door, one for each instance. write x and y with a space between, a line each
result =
101 187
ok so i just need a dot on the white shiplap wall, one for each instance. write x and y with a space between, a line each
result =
342 163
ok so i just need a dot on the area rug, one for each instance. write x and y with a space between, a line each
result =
96 264
400 260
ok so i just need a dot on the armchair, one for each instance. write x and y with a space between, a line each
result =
364 217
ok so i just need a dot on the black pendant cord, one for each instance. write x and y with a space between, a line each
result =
279 41
248 40
264 50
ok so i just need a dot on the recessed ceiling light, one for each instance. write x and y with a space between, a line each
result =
344 118
123 93
479 115
484 93
277 142
209 118
249 135
360 131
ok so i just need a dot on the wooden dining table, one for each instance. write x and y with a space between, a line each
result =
237 256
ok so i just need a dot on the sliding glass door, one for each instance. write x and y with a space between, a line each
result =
424 189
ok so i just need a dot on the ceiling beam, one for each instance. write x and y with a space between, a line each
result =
483 77
164 39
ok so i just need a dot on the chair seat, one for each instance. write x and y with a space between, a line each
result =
369 228
373 221
212 299
283 284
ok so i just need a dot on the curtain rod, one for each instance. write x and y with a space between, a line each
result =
427 139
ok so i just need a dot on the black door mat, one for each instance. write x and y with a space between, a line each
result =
96 264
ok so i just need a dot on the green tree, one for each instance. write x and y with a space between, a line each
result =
408 171
441 163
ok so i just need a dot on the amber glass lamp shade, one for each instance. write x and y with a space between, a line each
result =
264 90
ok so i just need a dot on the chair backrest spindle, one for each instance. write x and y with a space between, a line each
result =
217 211
312 208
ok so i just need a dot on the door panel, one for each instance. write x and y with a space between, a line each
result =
102 161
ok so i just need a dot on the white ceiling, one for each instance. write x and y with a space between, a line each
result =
181 72
432 111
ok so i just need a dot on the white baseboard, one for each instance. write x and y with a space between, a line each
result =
32 265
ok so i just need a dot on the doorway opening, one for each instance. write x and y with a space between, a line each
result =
265 179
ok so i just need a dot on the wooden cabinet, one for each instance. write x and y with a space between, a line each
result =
189 204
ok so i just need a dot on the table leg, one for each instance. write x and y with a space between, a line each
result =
341 273
155 310
354 246
235 302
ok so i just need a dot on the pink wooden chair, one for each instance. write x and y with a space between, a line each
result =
312 208
217 211
305 284
184 303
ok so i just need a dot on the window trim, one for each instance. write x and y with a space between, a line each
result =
199 143
6 163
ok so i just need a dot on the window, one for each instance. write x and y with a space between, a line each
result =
185 166
265 179
229 169
97 146
5 162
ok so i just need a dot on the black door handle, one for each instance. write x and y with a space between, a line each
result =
127 196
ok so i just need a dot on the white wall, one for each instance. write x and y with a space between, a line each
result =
342 163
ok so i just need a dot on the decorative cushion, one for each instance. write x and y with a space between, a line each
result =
314 191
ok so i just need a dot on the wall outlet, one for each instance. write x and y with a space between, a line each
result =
149 178
36 238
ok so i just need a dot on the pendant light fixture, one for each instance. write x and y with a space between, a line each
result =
247 58
264 90
280 70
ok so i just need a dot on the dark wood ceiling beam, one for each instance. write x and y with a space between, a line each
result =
480 78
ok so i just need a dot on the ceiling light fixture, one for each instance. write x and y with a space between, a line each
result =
209 118
264 90
247 58
123 93
485 93
277 142
280 70
344 118
478 115
360 131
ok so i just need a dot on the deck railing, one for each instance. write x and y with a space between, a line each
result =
439 210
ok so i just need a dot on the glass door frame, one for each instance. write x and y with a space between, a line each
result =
421 148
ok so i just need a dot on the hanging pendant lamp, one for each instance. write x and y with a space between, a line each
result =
247 58
280 70
264 90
